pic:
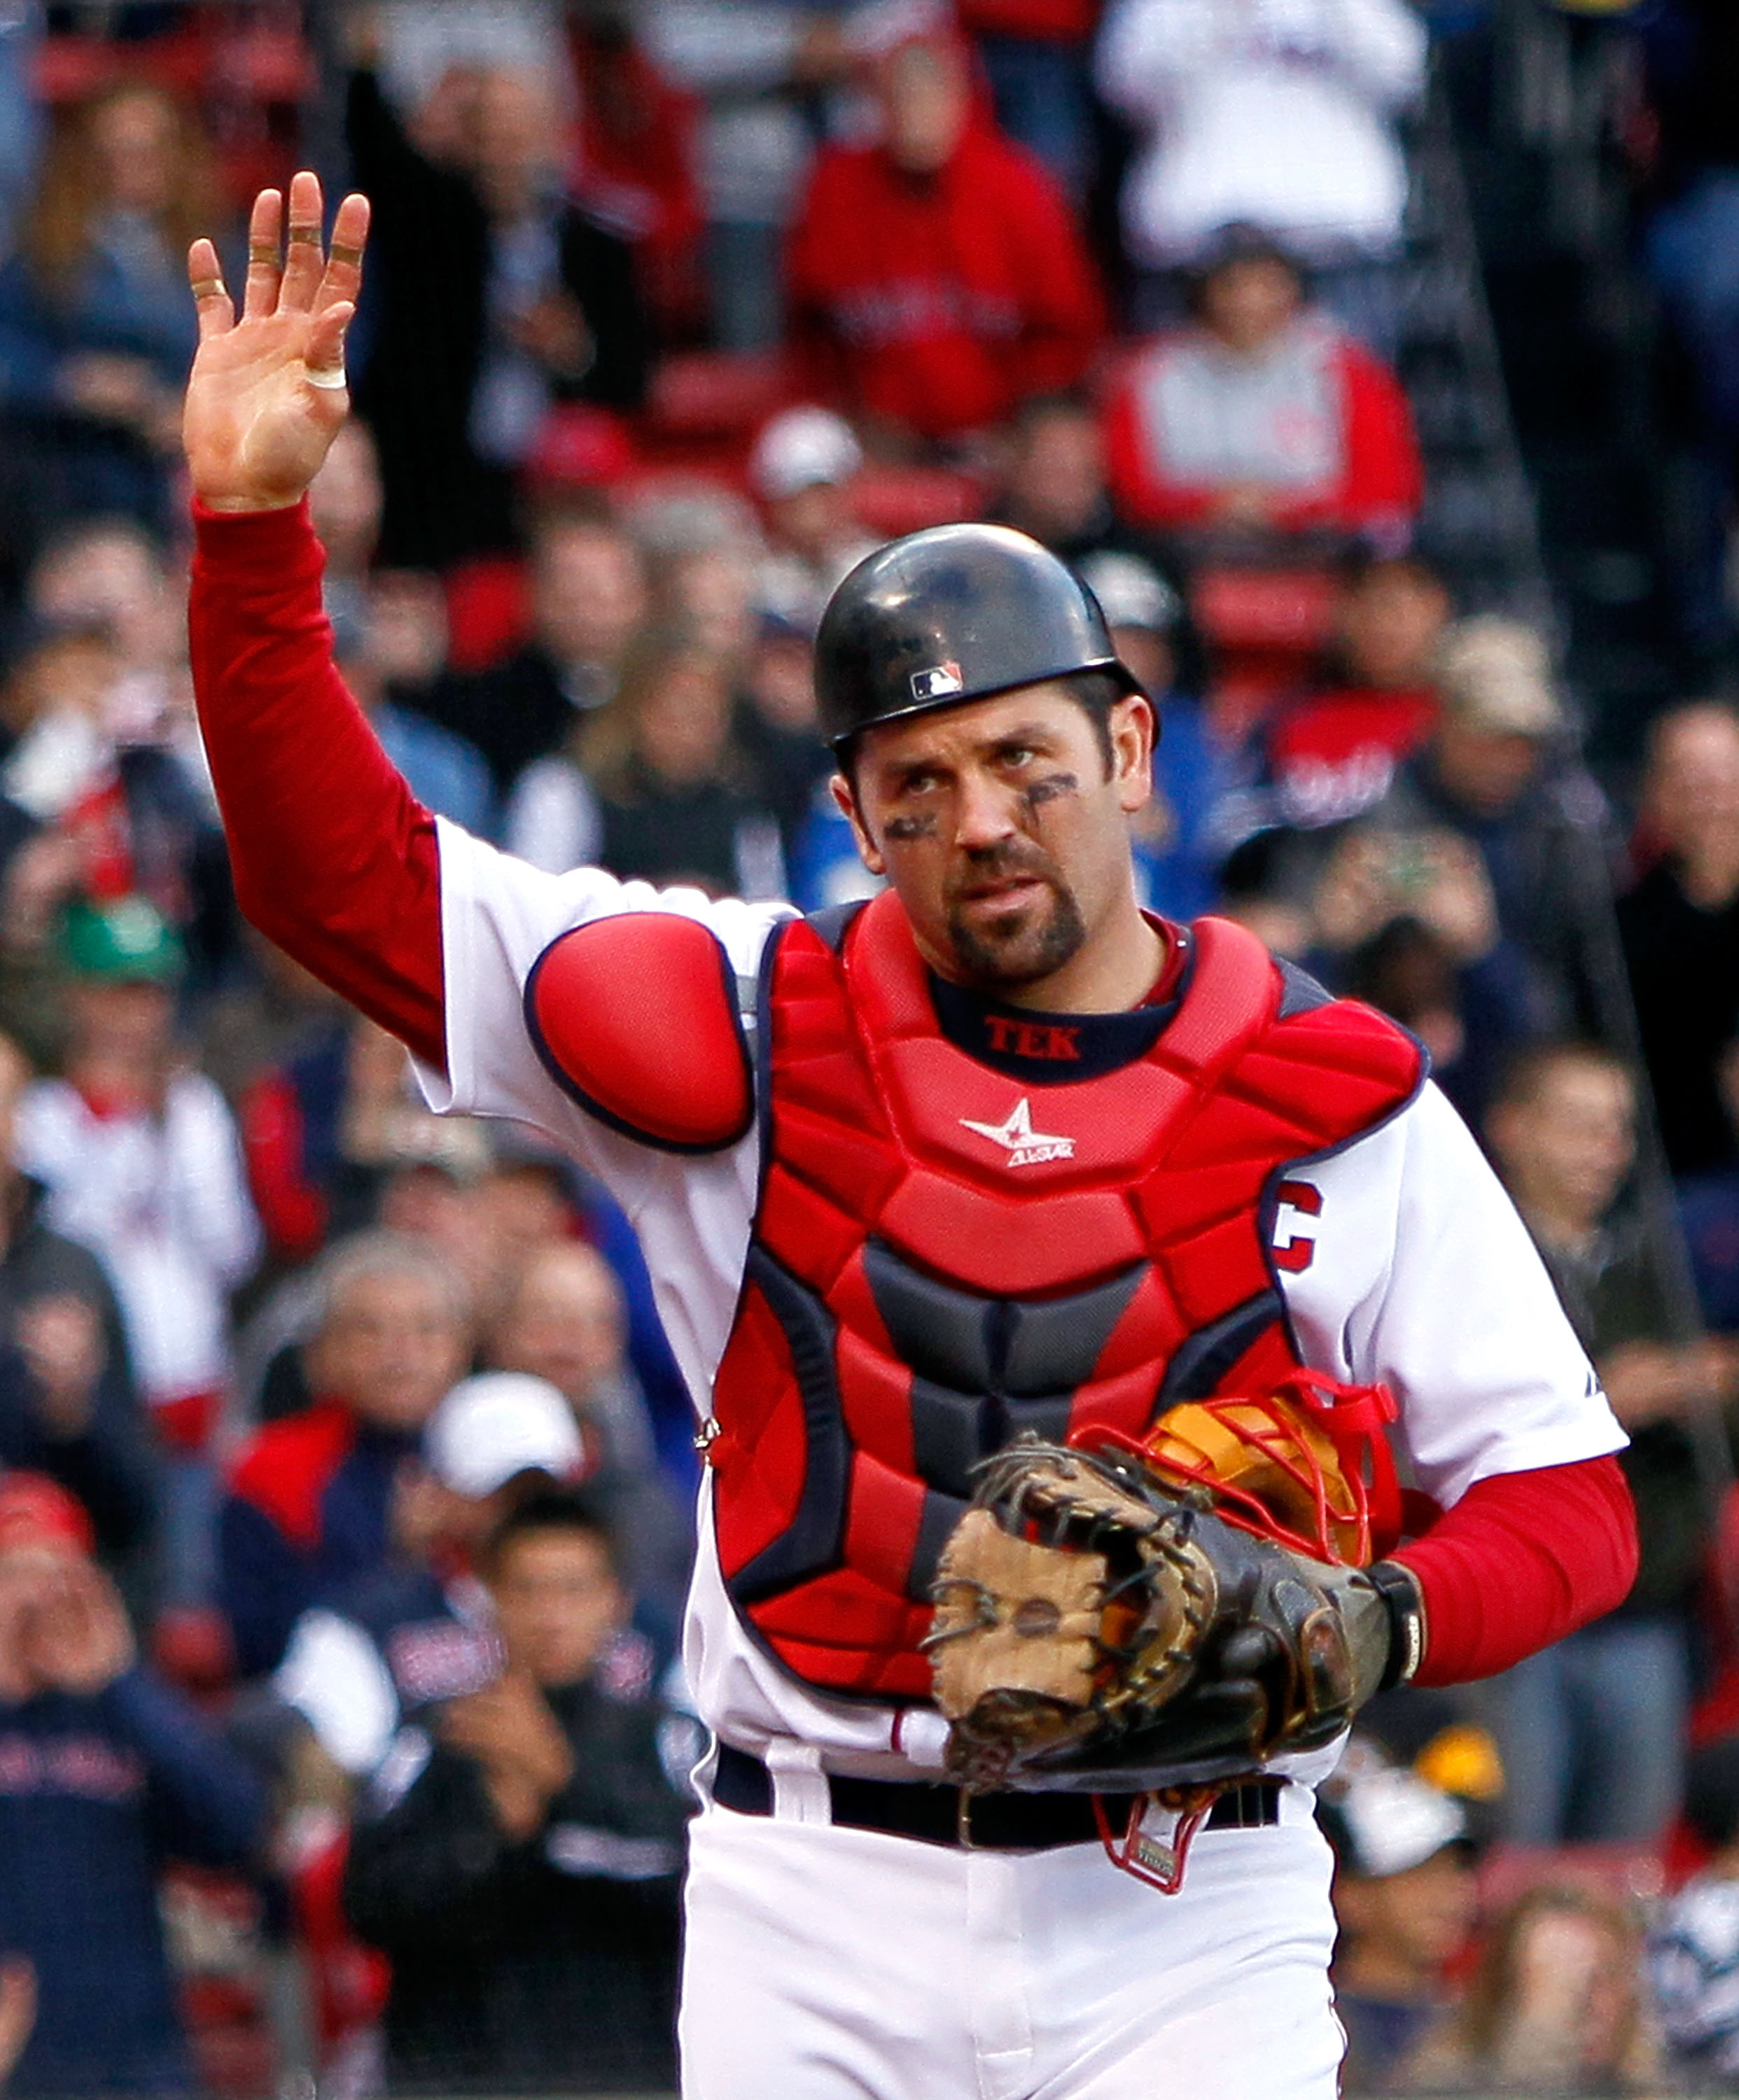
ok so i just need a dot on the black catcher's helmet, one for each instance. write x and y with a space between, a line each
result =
956 613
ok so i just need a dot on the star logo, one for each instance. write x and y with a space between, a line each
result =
1025 1146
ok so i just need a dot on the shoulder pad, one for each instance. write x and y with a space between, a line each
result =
636 1017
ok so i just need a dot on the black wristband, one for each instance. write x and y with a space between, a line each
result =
1398 1587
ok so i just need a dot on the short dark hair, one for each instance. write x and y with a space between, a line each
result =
1036 409
1527 1072
1362 563
1098 692
1405 970
1235 244
571 1510
548 517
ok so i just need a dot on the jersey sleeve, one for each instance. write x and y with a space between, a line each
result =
1414 1267
423 926
332 856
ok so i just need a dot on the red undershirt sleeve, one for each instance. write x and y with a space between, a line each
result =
334 859
1522 1560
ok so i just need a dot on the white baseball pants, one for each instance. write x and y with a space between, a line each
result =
835 1963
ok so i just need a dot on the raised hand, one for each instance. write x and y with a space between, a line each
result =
526 1760
267 394
79 1640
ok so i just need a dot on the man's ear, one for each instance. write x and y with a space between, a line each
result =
868 852
1133 731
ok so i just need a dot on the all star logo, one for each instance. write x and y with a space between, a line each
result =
1025 1146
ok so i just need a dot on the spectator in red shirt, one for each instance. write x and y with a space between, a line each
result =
1261 417
1333 751
938 272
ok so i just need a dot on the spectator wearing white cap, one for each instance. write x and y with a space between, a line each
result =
1405 1897
803 466
421 1631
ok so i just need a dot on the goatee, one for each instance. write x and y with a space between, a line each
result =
1038 939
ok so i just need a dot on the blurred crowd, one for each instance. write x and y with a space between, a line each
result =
345 1474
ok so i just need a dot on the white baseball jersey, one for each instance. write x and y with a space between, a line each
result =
164 1200
1399 1259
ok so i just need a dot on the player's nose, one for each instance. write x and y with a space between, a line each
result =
986 811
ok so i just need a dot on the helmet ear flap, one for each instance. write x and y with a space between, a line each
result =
953 614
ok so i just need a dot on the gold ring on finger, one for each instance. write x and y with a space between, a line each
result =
341 251
305 236
207 288
263 254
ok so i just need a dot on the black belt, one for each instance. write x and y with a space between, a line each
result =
988 1822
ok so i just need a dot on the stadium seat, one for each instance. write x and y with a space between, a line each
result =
1633 1873
1263 626
712 394
892 500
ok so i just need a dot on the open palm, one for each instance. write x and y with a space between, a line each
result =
258 420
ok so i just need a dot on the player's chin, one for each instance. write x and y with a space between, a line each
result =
1007 944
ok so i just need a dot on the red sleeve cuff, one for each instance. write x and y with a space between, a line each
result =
1522 1560
254 537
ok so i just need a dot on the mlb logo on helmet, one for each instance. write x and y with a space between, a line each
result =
936 684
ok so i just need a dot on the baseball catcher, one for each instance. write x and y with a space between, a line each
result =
937 1193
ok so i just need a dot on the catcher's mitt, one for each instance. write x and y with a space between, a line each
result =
1129 1618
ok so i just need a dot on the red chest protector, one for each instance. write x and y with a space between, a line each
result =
944 1256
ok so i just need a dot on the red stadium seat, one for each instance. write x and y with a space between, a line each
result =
249 70
1263 626
892 500
712 394
1632 1873
705 406
1287 610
